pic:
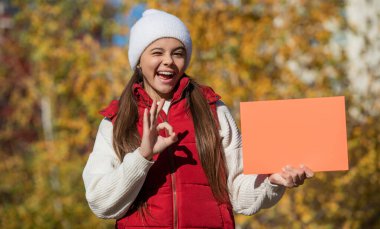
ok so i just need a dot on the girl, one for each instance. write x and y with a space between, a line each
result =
168 153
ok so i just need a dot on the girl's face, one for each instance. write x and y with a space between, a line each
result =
162 64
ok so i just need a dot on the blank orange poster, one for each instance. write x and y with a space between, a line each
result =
292 132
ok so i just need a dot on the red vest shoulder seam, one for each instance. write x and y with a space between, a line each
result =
111 110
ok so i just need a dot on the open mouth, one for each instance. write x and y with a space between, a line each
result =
165 75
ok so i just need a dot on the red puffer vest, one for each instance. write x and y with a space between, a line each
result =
176 189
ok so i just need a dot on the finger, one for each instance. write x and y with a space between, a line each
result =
302 176
287 177
309 173
146 121
300 180
167 126
293 174
299 176
152 112
160 105
164 143
173 137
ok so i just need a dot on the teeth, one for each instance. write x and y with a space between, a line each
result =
166 73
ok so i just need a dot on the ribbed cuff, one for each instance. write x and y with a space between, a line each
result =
137 161
274 187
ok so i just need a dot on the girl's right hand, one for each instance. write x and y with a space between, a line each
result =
152 142
291 177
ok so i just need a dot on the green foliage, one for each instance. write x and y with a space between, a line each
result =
58 68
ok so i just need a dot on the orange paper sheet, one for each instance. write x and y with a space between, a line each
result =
293 132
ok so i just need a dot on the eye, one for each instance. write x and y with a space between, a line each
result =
156 53
179 54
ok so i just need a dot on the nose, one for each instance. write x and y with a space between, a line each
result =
167 60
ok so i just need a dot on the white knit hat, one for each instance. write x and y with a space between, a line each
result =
153 25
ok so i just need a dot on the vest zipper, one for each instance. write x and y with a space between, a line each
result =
172 175
172 164
174 189
172 170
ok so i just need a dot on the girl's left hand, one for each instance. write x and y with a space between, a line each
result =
291 177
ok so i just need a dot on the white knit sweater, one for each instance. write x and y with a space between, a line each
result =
111 186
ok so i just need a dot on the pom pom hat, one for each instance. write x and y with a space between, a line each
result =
153 25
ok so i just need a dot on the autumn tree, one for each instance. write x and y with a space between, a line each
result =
59 66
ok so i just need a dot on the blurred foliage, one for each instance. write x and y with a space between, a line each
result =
58 67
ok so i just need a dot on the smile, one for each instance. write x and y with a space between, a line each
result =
165 74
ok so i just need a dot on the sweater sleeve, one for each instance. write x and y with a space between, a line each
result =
111 186
248 193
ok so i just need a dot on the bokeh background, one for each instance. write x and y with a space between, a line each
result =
62 61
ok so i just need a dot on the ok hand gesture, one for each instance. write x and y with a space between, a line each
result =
152 142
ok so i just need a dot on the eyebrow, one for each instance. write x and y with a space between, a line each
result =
180 47
161 49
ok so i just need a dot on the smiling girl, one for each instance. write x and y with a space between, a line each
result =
168 152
